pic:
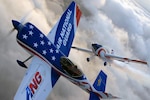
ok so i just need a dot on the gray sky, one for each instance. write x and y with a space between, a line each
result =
117 24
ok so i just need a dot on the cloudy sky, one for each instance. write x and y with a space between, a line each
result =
119 24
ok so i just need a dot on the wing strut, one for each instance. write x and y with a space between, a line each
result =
22 63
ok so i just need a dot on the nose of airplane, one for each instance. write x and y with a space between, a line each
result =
16 24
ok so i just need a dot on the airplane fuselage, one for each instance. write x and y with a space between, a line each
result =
100 51
36 43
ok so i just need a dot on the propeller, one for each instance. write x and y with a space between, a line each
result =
37 5
22 21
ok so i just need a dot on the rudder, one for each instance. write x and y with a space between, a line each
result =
100 82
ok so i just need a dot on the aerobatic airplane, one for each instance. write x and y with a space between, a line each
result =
106 55
49 59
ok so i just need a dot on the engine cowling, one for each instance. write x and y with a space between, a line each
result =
101 52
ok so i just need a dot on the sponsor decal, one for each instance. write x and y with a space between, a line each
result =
65 31
34 85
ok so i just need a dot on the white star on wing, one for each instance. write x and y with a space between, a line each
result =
44 52
30 33
42 42
53 58
41 35
51 50
31 27
57 51
35 44
25 36
49 43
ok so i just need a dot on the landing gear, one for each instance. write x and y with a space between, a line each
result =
105 63
22 63
88 59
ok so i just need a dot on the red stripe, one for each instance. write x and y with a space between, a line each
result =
40 56
98 94
37 54
84 82
139 61
78 14
100 51
106 94
29 50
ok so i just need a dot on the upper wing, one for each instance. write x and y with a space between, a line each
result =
63 32
125 59
37 82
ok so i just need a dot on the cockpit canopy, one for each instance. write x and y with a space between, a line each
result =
96 46
69 68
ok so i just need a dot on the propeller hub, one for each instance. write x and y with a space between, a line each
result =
16 24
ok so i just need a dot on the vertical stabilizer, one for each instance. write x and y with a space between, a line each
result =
100 82
99 85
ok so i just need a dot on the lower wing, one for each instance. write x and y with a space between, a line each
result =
122 59
38 81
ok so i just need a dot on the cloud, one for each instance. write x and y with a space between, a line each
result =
113 23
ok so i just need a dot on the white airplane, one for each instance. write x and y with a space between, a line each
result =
106 55
49 59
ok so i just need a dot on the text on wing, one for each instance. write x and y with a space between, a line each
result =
65 31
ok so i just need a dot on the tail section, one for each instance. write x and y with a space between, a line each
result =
100 82
99 85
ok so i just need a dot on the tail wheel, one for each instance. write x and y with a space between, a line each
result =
105 63
88 59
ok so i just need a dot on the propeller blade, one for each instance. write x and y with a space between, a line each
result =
11 31
22 20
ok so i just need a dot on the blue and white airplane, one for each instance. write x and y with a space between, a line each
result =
49 59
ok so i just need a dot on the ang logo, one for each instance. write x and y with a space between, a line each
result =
33 86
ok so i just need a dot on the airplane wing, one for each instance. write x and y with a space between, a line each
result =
81 49
40 78
38 81
122 59
62 34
